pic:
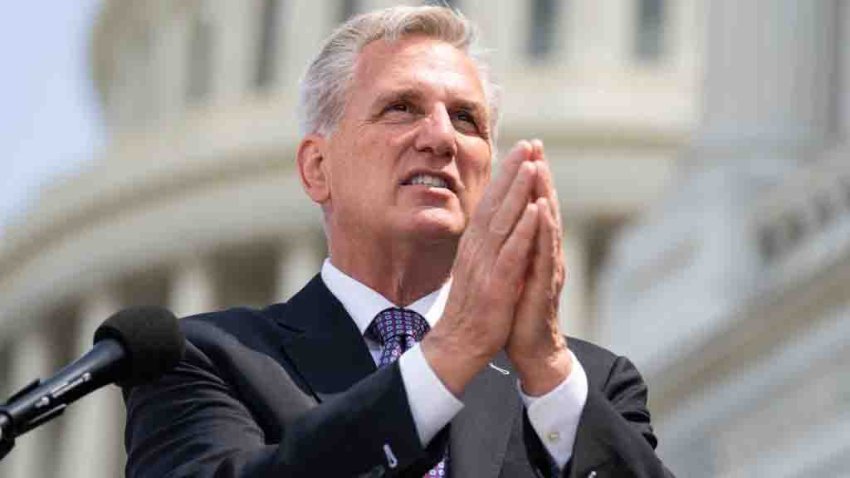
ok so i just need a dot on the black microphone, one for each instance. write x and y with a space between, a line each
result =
133 346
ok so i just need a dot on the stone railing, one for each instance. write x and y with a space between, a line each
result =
804 223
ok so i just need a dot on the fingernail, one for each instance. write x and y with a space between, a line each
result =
537 144
524 145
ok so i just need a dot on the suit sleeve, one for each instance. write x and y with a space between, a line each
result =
191 423
615 436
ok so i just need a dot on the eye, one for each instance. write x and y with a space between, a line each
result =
398 111
398 107
465 121
466 116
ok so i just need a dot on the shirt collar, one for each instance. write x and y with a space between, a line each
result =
363 304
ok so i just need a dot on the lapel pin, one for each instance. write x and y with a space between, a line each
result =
499 369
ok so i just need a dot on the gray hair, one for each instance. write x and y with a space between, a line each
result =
324 87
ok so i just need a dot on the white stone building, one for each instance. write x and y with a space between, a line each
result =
194 202
733 293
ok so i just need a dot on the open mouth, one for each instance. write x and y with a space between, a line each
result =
429 180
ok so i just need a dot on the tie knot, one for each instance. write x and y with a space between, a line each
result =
392 323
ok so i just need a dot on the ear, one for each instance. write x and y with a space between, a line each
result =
312 168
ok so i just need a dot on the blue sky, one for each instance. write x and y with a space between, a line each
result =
49 122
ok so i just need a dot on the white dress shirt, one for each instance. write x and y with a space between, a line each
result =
554 416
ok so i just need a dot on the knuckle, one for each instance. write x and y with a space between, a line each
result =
500 229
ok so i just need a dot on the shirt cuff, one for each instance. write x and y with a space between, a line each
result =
432 405
555 415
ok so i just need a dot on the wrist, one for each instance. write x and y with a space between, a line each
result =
540 375
454 364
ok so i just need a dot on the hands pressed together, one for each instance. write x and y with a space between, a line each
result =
507 279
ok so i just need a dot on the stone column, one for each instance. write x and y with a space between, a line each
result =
604 47
30 359
843 88
573 306
92 441
501 30
768 79
299 260
193 288
767 106
234 48
172 56
298 45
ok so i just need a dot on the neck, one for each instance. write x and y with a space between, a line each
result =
399 270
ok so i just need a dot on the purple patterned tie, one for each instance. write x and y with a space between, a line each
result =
397 330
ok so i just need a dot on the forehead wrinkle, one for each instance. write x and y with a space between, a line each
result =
392 61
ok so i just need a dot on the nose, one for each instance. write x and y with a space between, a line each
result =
437 133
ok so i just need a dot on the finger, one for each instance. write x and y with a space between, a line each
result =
536 149
545 186
500 185
512 261
552 193
514 202
544 260
557 268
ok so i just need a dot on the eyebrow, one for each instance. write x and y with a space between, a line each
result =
407 94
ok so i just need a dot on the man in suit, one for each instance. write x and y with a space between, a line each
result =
429 342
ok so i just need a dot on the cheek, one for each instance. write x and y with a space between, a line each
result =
355 166
476 179
366 179
477 174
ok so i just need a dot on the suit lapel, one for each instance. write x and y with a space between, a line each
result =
323 343
480 432
329 355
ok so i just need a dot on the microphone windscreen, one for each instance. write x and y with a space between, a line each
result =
152 338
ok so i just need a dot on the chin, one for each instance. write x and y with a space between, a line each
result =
437 226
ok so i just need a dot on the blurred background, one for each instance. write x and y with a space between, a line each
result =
699 147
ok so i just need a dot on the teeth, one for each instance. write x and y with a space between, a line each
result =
428 180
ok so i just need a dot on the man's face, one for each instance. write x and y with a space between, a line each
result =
410 157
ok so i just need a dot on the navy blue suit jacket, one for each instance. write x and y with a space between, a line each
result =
291 390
